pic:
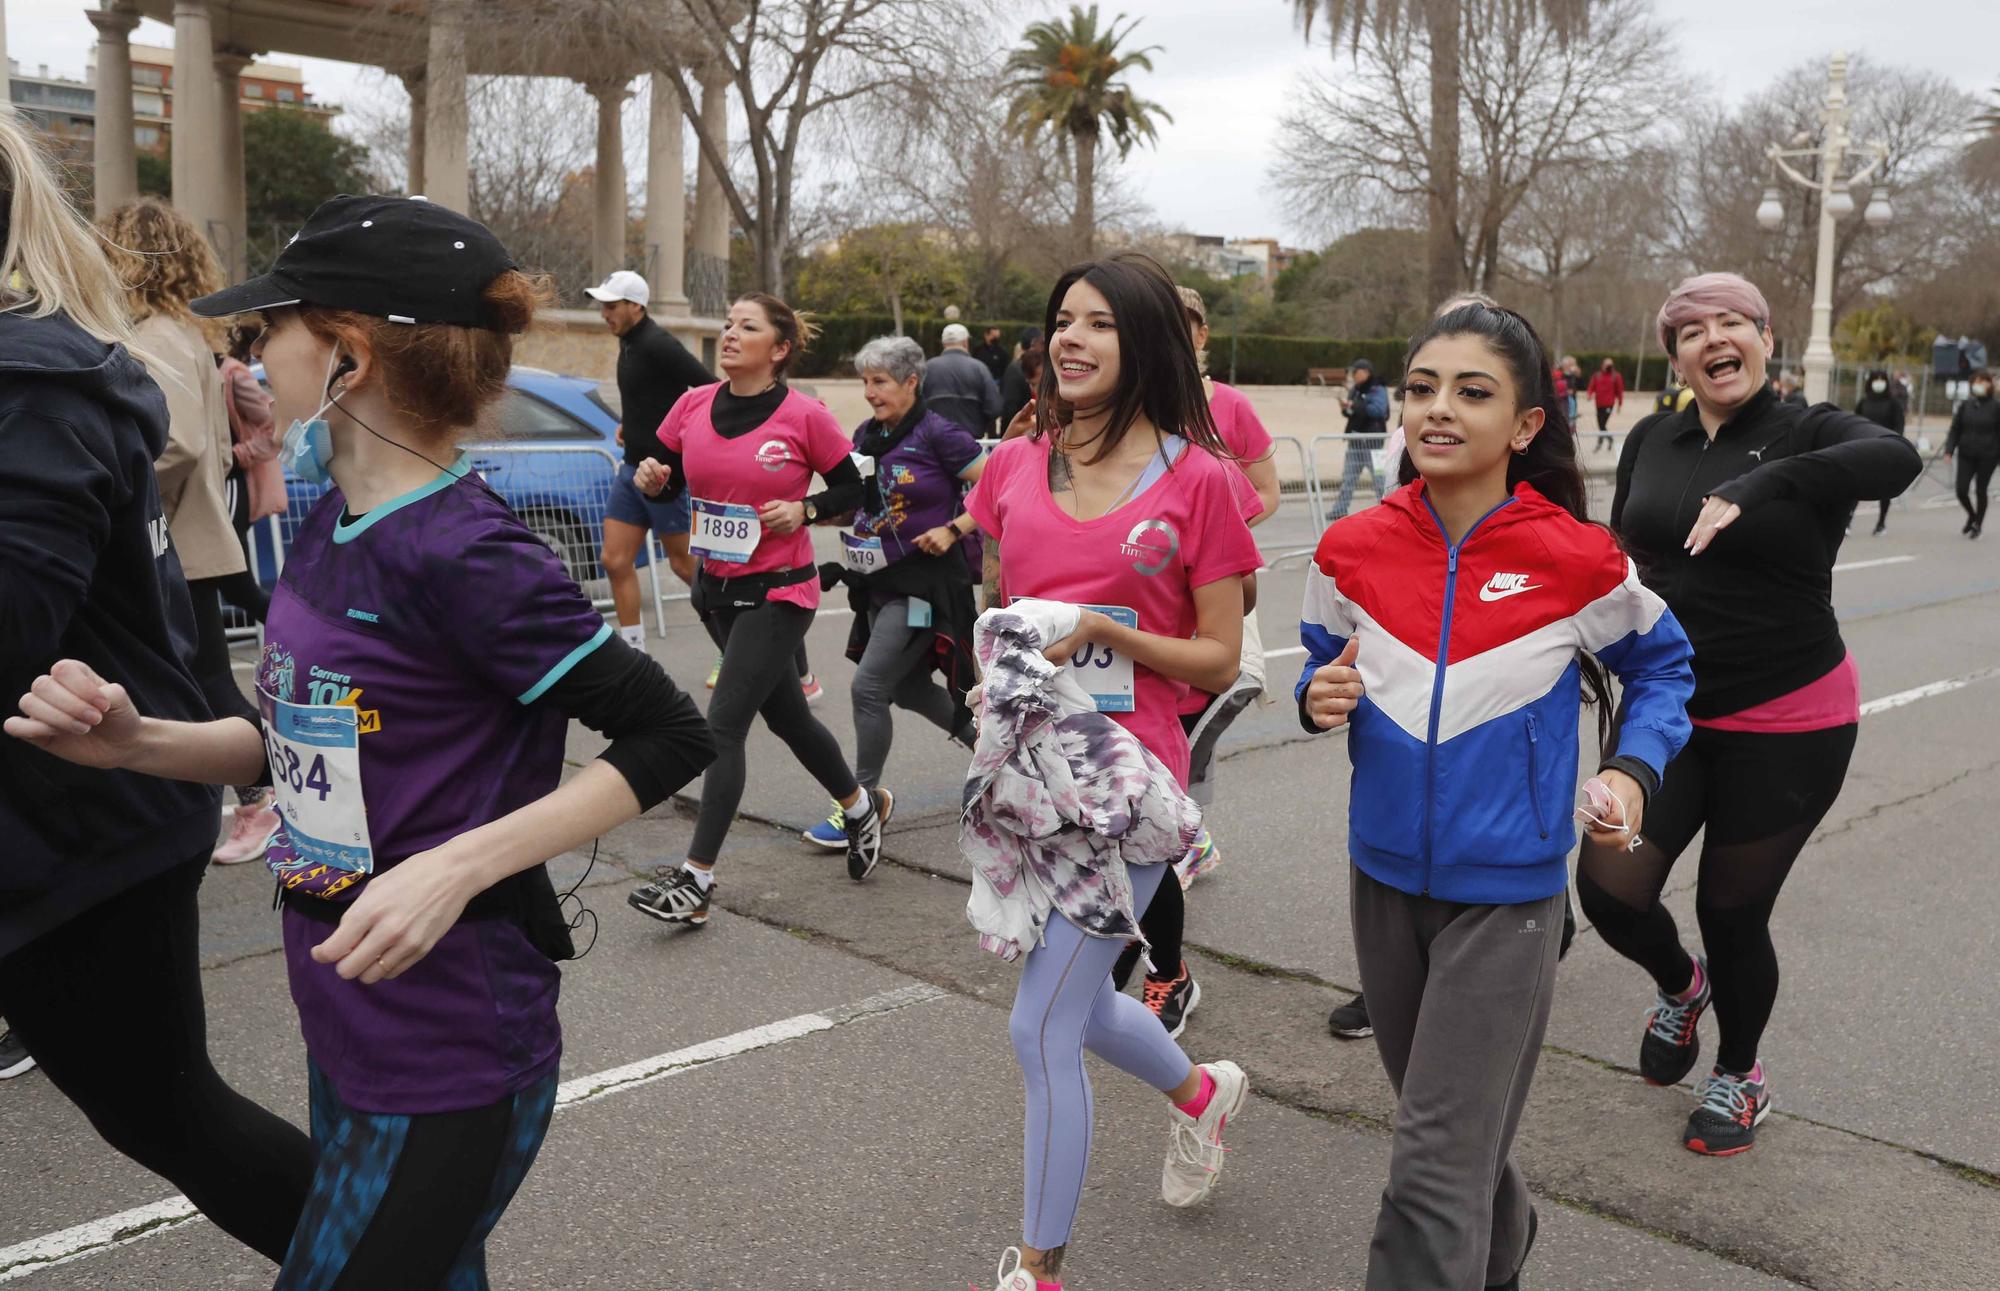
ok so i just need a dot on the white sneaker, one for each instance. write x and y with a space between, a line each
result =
1018 1279
1194 1153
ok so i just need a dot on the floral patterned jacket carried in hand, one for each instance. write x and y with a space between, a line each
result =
1060 798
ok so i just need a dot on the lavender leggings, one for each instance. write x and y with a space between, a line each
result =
1065 1005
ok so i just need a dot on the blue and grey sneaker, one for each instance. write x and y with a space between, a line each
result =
830 833
1732 1107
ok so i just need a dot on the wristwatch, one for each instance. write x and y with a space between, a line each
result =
812 510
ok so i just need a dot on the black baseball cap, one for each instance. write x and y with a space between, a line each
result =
399 258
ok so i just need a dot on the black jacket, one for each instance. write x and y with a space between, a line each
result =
1975 429
87 572
1758 603
1883 409
654 370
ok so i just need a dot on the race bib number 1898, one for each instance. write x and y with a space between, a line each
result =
725 531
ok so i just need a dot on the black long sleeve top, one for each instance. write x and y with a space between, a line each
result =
1758 603
1975 428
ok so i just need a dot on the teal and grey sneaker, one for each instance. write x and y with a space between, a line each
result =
830 833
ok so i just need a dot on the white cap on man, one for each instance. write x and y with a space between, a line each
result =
955 334
621 285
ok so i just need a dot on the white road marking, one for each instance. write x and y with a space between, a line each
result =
126 1227
1931 691
1870 564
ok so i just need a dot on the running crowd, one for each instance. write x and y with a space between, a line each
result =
400 771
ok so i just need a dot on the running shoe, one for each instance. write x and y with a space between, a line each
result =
1194 1151
814 691
674 896
864 837
830 833
15 1060
1350 1020
1672 1041
714 671
1200 859
1172 999
1016 1278
251 830
1880 526
1732 1107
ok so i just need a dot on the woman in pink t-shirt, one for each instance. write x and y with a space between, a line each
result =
747 449
1118 501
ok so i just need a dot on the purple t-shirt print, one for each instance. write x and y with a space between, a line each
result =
439 619
919 482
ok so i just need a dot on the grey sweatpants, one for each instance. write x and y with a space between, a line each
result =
1459 998
894 669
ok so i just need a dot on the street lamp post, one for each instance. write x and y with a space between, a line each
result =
1836 202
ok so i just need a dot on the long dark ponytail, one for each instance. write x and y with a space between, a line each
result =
1550 463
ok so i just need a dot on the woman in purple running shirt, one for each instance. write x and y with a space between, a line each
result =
423 657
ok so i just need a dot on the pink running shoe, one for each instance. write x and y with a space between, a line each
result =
250 835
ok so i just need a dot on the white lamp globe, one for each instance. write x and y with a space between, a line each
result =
1878 212
1840 203
1770 212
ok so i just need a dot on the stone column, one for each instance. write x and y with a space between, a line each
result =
666 198
116 157
711 208
234 246
197 120
446 180
415 83
607 243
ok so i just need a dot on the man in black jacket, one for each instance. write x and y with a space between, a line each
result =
654 370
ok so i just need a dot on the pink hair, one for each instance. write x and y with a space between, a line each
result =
1711 293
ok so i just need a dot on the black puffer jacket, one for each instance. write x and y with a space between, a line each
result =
88 572
1975 429
1757 604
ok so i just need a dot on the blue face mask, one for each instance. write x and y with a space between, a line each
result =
309 444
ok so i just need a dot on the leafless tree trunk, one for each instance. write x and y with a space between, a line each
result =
1441 25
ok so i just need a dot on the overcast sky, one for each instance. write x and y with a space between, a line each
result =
1226 80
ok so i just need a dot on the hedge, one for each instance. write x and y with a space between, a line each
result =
1258 359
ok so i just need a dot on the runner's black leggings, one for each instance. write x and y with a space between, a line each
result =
1758 798
1974 473
110 1004
759 675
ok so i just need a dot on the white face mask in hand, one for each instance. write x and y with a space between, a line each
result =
1603 809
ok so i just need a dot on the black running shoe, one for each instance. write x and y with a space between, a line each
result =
1350 1020
15 1060
1172 999
1668 1050
674 896
1732 1107
864 837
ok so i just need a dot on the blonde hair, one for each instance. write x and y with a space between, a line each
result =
49 249
161 257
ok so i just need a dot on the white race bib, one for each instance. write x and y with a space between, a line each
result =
315 756
725 532
862 555
1104 673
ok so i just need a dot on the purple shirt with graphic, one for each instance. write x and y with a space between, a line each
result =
920 485
440 619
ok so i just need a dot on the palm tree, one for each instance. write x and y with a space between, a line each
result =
1063 78
1442 20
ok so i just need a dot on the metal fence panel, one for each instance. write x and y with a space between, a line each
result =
560 491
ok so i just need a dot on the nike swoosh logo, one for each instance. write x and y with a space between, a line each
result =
1488 594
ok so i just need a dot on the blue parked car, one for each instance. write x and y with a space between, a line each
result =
560 495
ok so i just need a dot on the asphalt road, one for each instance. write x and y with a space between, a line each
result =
816 1090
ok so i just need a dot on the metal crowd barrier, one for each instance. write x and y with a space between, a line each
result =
560 491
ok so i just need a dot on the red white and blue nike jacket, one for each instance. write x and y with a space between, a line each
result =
1464 745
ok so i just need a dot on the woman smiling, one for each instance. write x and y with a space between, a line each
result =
1734 508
